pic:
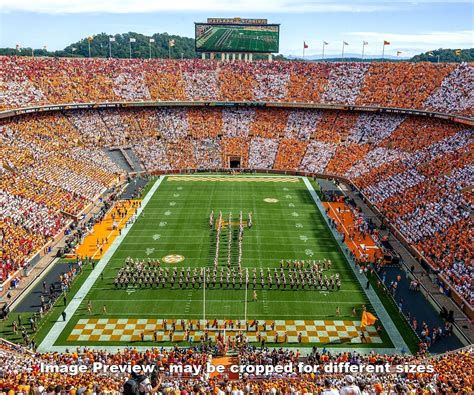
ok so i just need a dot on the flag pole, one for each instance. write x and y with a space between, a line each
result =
363 47
383 51
342 53
323 52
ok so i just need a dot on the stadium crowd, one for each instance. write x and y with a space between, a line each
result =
46 176
35 81
21 372
416 170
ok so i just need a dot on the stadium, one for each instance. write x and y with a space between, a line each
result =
234 213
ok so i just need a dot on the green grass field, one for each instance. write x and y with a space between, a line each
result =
176 221
238 39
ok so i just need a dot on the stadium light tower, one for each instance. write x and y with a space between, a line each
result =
171 43
111 40
89 40
152 40
131 40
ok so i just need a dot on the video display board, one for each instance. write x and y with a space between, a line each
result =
237 37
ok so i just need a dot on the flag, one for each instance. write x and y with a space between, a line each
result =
112 39
386 42
132 40
73 49
399 53
457 52
152 40
171 43
367 319
17 47
305 45
366 43
90 38
345 43
430 54
325 43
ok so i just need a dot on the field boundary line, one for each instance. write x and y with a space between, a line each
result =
383 316
59 326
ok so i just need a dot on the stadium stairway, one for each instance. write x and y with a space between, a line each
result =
132 159
227 362
117 156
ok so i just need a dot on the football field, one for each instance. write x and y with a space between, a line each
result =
173 226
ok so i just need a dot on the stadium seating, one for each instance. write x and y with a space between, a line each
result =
416 170
444 88
20 372
46 174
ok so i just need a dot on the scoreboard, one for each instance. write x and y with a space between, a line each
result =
237 35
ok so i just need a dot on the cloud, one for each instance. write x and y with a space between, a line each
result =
241 6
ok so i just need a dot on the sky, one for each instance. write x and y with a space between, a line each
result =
411 27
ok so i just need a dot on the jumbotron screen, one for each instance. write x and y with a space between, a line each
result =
237 38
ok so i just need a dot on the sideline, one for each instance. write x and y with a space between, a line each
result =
48 342
382 314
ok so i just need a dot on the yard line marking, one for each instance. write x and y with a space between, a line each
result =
74 304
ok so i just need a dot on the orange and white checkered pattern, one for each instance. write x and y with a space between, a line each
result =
312 331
